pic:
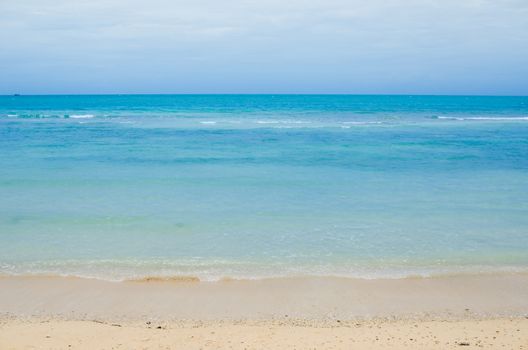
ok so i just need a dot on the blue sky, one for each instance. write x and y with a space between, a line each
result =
236 46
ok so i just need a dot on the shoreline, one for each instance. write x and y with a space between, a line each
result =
316 298
177 277
451 312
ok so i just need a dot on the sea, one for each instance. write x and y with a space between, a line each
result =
125 187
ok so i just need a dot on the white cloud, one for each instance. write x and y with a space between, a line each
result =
310 45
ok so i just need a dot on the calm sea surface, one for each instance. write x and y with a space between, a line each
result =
250 186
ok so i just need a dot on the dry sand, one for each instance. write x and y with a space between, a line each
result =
462 312
488 334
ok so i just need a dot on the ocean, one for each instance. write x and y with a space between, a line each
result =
122 187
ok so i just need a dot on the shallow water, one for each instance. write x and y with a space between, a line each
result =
246 186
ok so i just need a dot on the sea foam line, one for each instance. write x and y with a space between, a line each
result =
81 116
484 118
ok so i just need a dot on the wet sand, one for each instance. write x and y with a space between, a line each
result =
487 311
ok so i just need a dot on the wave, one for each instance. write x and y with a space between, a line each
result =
283 122
363 123
267 122
484 118
81 116
177 278
165 279
221 270
33 116
47 116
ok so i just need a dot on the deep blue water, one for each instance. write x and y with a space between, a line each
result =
123 186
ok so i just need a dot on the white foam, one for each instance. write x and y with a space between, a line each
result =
81 116
362 123
283 122
207 122
298 122
499 118
267 122
485 118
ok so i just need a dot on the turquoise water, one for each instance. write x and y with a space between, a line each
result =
244 186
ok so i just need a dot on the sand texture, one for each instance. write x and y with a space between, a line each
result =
373 334
457 312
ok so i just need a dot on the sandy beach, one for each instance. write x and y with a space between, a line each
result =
373 334
264 175
486 311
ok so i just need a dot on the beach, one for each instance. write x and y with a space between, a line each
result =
264 175
487 311
500 333
263 222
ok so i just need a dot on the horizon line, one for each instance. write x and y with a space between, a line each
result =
261 94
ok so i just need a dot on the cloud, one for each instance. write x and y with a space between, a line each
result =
264 46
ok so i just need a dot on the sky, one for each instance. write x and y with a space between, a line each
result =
267 46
